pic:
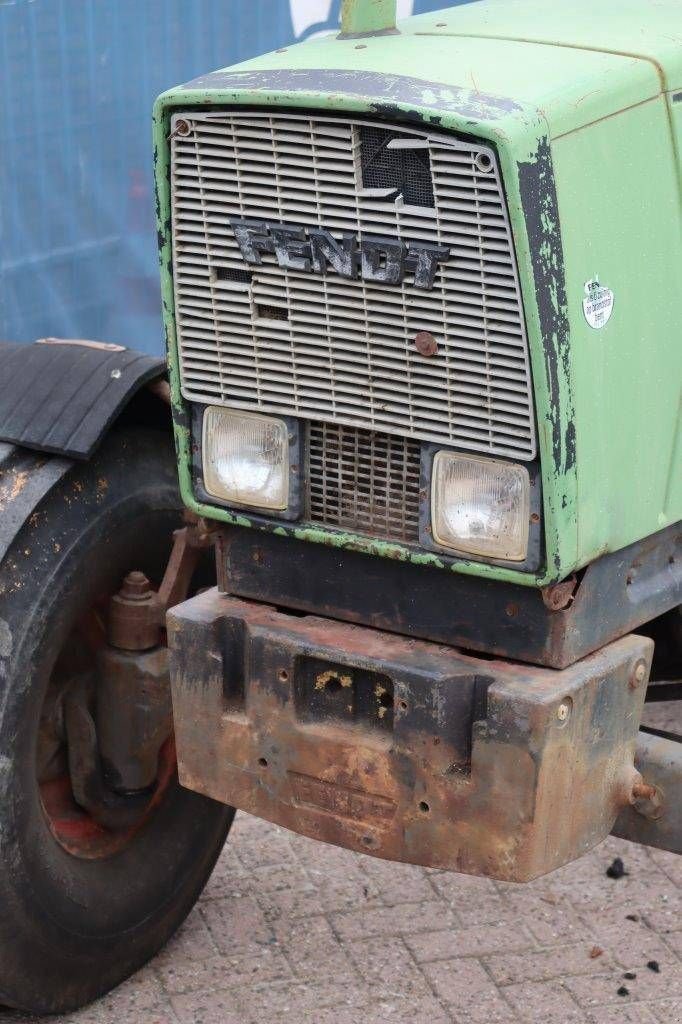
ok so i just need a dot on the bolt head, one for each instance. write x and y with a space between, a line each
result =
639 674
425 343
136 587
563 711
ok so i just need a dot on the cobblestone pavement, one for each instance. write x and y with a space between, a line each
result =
291 930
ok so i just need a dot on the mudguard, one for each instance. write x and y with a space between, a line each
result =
60 396
25 479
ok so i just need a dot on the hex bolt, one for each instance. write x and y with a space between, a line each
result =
639 674
134 620
135 587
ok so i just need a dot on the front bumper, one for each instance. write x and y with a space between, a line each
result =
402 748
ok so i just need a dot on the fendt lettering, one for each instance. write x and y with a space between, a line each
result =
372 258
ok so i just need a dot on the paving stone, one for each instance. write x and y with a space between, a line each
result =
466 987
545 1002
223 972
543 965
402 920
397 883
237 925
635 1013
211 1007
668 1011
475 940
387 967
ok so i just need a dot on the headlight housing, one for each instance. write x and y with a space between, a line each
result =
246 458
480 506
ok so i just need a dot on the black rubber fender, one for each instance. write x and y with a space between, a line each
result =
58 400
61 396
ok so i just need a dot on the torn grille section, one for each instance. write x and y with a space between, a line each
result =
407 172
364 482
341 349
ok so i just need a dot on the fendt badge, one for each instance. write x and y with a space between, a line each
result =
315 250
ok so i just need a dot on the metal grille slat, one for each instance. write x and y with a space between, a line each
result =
325 348
364 481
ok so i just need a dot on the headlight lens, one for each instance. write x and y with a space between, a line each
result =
480 506
246 458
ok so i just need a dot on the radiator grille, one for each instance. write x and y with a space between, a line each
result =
328 348
364 481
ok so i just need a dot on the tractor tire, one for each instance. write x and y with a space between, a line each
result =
78 919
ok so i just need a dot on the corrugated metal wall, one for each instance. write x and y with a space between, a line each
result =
77 83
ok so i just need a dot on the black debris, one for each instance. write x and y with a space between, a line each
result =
616 869
630 975
654 966
632 917
623 991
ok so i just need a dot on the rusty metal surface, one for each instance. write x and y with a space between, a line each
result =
134 715
134 620
655 816
615 595
401 748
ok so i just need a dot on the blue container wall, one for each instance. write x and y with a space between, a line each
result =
77 82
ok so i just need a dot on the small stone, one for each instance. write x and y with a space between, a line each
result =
654 966
630 975
623 991
595 952
616 869
632 917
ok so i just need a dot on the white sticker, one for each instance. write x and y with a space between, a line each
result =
597 304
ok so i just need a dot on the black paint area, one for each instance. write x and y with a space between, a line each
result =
379 89
541 213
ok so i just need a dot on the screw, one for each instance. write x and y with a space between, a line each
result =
563 711
182 127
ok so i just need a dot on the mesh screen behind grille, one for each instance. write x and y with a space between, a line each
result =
364 481
407 171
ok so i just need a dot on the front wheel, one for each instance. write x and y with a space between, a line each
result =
86 903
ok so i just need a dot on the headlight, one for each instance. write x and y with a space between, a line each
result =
480 506
246 458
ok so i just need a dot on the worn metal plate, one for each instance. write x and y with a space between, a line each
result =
399 748
60 397
616 594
